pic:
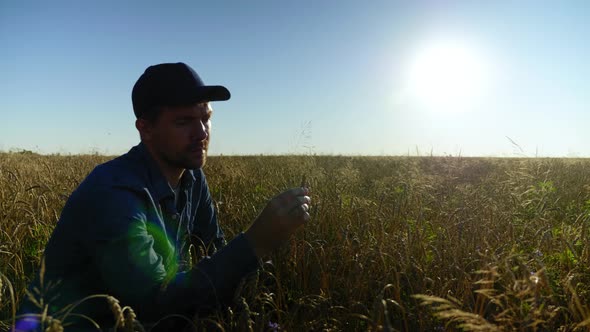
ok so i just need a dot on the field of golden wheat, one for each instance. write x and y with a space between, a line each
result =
394 244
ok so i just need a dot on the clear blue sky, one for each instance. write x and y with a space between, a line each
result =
328 77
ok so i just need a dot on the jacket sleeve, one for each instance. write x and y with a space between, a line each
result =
147 279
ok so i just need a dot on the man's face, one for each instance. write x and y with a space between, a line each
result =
180 135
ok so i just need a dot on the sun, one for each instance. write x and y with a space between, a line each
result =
447 76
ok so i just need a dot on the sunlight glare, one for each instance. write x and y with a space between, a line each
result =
447 77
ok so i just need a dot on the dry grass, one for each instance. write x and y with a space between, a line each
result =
408 244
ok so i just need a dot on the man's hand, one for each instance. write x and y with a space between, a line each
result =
279 220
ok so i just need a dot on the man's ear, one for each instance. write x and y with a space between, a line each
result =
145 129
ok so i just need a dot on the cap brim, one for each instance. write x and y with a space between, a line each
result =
212 93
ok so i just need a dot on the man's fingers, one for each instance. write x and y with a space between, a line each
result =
300 212
304 199
291 199
296 202
303 207
290 194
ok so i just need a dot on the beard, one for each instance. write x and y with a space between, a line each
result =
192 157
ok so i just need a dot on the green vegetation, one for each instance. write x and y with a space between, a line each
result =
409 244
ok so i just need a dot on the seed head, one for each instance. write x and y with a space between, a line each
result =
54 325
130 317
201 253
245 322
1 288
116 310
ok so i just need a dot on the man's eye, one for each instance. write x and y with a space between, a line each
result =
182 122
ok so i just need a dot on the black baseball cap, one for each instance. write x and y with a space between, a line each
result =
172 84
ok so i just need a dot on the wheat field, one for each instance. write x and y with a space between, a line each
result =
394 243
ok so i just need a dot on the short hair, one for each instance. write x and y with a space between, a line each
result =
152 113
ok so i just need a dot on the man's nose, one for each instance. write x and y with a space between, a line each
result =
201 131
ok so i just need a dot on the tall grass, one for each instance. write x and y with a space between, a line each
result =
404 243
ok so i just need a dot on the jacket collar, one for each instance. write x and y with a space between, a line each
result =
160 185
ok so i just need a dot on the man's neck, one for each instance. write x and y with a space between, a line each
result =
172 174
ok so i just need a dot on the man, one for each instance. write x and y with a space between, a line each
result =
125 230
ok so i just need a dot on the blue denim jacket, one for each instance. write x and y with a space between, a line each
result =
121 234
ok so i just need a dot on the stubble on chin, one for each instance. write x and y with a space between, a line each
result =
203 158
187 160
194 162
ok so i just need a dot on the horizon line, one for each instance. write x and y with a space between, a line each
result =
289 154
